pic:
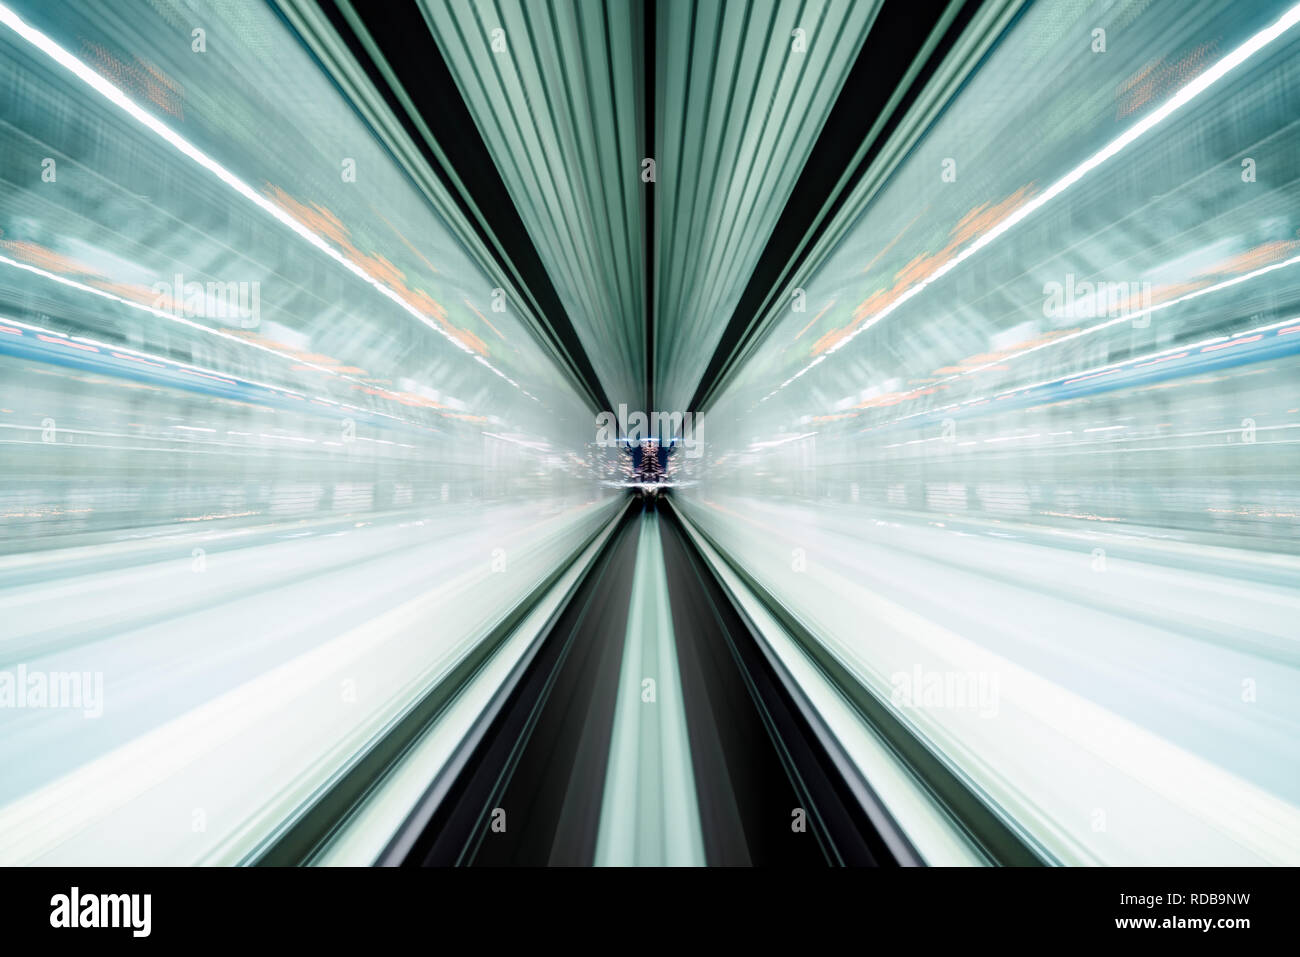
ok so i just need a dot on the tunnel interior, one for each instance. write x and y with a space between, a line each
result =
649 432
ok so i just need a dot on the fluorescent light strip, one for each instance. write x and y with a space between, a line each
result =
1132 363
1118 320
1173 350
161 314
1217 287
115 96
775 442
155 360
1180 99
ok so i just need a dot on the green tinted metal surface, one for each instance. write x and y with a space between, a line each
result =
555 91
742 91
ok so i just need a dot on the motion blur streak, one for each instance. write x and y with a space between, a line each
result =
1103 529
314 548
270 523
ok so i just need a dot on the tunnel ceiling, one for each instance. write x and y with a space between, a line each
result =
555 91
755 116
742 90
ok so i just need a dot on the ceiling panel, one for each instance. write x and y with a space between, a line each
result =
742 91
556 93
